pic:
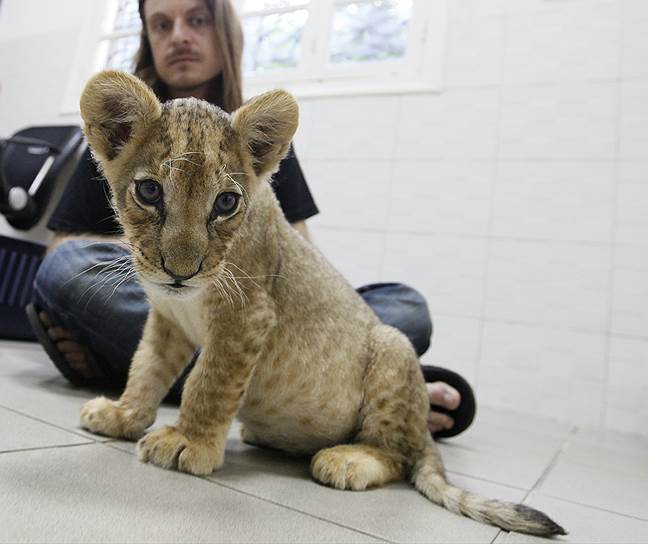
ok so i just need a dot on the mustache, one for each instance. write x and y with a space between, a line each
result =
176 54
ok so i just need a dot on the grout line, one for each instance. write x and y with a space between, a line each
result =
497 536
599 508
55 447
460 159
309 514
264 499
483 314
34 418
613 238
546 326
552 463
463 236
495 482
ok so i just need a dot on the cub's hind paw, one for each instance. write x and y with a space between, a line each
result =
353 467
169 448
110 418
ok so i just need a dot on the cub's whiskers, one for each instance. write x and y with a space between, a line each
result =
237 287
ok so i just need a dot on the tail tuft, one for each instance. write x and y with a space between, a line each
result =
534 519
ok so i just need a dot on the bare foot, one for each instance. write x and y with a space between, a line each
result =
441 394
77 355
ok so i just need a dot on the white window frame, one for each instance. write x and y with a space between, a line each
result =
420 71
91 50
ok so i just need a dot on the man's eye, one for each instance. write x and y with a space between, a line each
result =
225 203
198 21
149 191
161 26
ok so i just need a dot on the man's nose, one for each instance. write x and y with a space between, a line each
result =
179 33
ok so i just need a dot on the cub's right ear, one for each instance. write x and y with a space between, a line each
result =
114 105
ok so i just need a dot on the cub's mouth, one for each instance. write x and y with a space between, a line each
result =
179 287
174 289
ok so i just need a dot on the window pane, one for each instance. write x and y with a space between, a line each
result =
121 53
273 41
370 30
127 17
258 5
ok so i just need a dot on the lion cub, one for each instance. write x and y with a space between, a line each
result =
287 344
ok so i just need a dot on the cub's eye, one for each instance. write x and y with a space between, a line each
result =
225 203
149 191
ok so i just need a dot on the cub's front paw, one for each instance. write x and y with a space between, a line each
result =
110 418
169 448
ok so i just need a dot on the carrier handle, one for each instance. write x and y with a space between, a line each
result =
19 199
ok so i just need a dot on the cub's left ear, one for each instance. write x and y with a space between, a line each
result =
267 124
114 105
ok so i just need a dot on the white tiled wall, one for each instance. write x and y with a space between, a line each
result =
516 201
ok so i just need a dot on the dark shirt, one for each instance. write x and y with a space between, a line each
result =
85 204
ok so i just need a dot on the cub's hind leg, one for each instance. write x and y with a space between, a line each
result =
162 354
393 420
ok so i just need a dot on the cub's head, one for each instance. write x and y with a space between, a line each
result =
183 174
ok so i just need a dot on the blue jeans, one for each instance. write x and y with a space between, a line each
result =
83 286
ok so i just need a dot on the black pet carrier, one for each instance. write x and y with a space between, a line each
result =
32 164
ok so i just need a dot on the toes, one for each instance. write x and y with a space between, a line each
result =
346 467
441 394
59 333
168 448
45 319
102 416
84 364
439 422
199 460
110 418
76 354
69 346
162 447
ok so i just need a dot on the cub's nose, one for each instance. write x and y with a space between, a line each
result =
177 277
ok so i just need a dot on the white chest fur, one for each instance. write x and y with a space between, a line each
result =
187 313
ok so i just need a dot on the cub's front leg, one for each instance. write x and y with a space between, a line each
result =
162 354
212 394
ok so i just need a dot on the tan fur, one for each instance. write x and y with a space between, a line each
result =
288 346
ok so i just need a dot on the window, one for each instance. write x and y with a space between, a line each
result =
311 47
120 39
343 46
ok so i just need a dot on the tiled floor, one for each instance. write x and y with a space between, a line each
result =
61 484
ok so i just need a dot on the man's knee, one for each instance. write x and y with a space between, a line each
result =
402 307
420 326
68 273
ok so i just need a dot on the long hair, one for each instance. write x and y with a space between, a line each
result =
229 35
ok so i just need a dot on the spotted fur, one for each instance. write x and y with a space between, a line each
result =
288 346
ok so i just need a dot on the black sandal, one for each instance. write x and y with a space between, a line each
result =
54 354
464 414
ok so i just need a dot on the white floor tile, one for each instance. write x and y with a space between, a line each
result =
21 432
601 478
583 524
97 494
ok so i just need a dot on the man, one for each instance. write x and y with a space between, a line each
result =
89 311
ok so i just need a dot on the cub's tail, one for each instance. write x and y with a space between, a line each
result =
429 479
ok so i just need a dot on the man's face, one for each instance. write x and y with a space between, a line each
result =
183 41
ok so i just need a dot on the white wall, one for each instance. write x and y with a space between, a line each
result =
516 200
38 40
